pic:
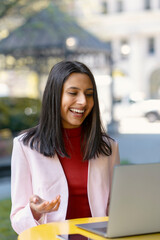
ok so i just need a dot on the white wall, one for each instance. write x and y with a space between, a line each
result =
136 25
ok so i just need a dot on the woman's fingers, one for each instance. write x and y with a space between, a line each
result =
42 206
56 206
53 205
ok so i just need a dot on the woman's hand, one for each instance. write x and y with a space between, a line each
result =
39 206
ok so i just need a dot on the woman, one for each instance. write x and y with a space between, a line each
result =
62 168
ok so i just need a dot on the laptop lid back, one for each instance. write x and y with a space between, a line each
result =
135 200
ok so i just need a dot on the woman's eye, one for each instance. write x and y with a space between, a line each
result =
72 93
89 94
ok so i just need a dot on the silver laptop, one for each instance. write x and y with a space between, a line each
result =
135 202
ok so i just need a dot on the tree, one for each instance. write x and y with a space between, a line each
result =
6 6
28 7
23 9
13 10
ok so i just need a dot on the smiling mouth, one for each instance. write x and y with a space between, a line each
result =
77 111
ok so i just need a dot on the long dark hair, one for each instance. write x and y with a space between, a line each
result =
47 137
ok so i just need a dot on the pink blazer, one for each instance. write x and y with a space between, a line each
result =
33 173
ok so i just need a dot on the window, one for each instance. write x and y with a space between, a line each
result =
147 4
151 45
119 6
104 7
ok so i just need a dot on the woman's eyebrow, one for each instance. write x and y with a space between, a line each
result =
79 88
89 89
73 88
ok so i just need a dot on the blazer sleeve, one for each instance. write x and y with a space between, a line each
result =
21 190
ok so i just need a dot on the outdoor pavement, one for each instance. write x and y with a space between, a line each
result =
139 142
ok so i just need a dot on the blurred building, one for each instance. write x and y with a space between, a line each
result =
133 28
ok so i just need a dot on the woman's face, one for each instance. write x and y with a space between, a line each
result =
77 100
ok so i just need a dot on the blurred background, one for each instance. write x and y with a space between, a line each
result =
118 40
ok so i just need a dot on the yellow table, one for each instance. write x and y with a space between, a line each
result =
50 230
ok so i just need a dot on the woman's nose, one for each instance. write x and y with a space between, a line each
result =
81 99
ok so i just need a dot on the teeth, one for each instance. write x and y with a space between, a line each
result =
77 110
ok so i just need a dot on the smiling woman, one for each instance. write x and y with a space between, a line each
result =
49 160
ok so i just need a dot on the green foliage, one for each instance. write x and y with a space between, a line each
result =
125 162
6 6
24 8
18 114
6 231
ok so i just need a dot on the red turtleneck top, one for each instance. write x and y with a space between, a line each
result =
76 172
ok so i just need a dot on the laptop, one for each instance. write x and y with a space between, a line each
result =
134 203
